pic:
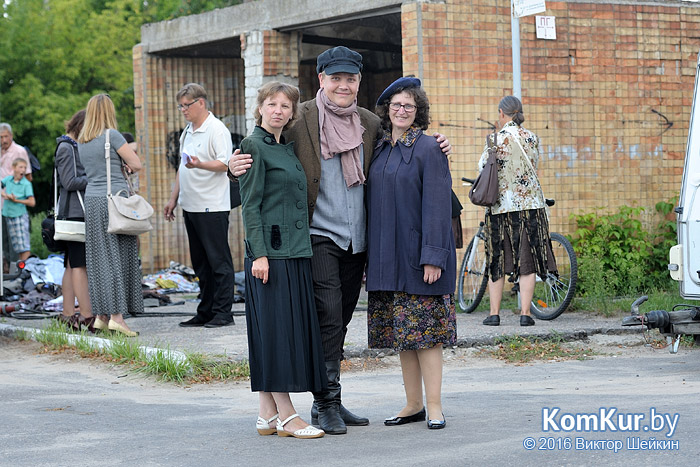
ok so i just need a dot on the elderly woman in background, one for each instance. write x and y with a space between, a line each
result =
411 252
72 182
517 229
114 274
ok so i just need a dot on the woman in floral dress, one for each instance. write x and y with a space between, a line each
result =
517 229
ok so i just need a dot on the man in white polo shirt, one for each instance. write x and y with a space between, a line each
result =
202 189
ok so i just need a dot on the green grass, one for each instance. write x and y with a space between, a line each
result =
600 305
614 306
125 350
196 368
207 369
22 335
520 349
54 336
166 368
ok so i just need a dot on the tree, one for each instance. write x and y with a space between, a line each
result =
59 53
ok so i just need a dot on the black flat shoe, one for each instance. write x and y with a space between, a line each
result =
197 321
219 322
492 320
526 320
416 417
437 424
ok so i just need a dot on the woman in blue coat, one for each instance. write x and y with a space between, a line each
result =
411 262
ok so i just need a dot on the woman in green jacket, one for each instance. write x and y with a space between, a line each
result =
284 340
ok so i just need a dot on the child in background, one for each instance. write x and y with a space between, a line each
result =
18 194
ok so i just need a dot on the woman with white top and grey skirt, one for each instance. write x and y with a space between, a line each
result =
114 274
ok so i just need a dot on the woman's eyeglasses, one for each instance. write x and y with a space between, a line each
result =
395 106
187 106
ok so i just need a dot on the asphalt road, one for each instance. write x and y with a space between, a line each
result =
59 410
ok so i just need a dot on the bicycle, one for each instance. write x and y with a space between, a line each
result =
552 295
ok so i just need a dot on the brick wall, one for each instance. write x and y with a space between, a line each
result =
158 122
610 98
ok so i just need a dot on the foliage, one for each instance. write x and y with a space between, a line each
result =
617 256
58 53
36 243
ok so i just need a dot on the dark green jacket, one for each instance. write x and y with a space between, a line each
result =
273 196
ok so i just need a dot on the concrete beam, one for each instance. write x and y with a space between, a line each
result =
258 15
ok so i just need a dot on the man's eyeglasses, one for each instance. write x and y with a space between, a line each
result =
395 106
187 106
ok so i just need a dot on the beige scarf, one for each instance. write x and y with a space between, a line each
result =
341 133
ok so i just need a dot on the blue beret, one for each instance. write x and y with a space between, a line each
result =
339 60
396 87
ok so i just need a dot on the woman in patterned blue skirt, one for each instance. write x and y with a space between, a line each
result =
411 263
114 274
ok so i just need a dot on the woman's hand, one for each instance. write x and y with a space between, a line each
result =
431 273
260 269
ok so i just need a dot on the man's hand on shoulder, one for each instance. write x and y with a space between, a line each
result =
239 163
444 143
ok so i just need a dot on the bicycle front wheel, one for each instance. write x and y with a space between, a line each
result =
473 277
554 294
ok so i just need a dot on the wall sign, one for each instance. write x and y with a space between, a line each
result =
545 27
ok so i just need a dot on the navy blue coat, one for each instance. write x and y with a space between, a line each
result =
409 218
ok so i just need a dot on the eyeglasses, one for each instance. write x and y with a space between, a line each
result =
395 106
186 106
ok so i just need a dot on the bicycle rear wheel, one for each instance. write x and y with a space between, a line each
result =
473 277
553 295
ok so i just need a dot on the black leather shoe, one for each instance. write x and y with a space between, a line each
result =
197 321
437 424
220 322
492 320
416 417
526 320
348 417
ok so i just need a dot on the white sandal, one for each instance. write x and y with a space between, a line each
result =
304 433
264 427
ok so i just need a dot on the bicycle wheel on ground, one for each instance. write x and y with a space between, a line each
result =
553 295
473 278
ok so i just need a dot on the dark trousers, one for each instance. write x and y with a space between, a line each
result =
337 276
207 233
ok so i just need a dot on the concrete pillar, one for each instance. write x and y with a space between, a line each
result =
268 56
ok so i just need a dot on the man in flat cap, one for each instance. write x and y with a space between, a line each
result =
334 139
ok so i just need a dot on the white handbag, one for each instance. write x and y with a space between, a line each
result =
127 216
65 230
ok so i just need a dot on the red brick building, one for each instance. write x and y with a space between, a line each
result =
610 98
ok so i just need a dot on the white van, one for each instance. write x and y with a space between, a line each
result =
684 258
684 263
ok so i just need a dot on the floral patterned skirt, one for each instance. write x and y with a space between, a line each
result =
402 321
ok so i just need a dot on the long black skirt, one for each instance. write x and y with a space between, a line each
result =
284 338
